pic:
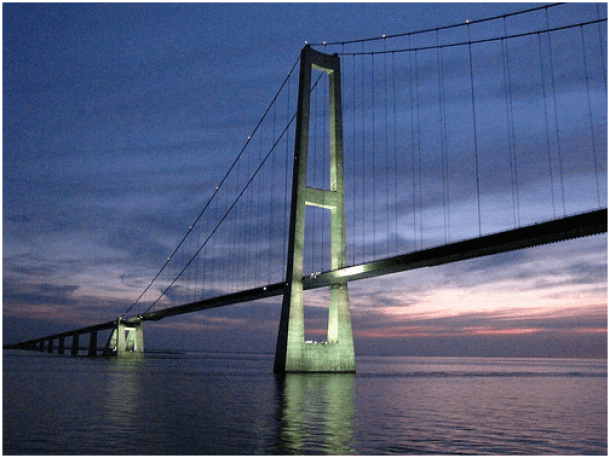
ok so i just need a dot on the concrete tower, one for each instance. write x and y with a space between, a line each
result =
337 354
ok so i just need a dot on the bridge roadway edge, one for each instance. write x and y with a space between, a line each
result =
567 228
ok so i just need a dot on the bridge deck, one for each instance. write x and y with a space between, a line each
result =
571 227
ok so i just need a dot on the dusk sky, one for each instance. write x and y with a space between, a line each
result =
120 119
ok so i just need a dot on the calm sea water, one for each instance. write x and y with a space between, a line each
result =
213 404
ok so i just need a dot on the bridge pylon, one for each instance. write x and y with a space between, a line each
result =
126 340
293 353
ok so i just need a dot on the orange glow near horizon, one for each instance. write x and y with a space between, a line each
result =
506 331
507 305
432 331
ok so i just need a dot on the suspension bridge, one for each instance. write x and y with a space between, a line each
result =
387 154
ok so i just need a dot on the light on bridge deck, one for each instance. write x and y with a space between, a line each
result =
349 271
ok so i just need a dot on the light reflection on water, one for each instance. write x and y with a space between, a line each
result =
211 404
121 400
317 413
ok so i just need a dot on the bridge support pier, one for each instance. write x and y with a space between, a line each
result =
75 339
126 340
337 353
92 344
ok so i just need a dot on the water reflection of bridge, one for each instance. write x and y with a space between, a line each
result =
316 414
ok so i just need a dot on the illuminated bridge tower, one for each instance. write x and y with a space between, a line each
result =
337 354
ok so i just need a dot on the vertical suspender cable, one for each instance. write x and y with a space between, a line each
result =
387 187
210 252
474 125
190 274
395 156
419 179
270 193
601 48
249 243
547 125
204 277
353 154
594 150
446 151
363 154
239 225
510 127
195 295
197 237
244 232
229 279
259 214
242 218
287 169
412 112
374 154
441 109
563 200
217 208
198 271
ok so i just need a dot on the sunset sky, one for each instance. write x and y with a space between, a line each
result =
119 118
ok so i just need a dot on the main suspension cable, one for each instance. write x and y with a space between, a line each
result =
226 214
216 190
482 40
447 27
